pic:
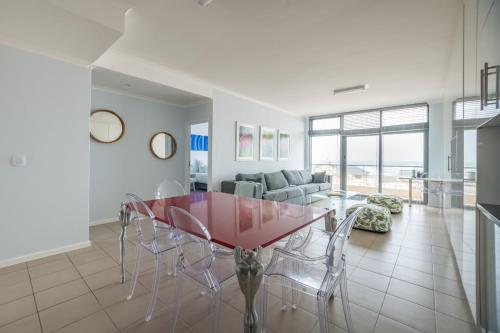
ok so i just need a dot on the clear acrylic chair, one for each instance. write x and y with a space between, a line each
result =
151 240
169 188
315 275
209 268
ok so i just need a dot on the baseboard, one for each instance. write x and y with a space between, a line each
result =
103 221
42 254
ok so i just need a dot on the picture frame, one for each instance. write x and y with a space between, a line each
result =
267 144
245 139
284 141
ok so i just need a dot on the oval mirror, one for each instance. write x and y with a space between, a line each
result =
163 145
106 126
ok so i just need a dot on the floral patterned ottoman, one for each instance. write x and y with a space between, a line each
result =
391 202
372 217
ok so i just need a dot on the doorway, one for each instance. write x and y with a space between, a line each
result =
198 157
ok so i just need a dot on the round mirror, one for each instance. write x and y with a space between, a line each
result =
163 145
106 126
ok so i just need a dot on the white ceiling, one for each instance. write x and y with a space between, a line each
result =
104 78
292 53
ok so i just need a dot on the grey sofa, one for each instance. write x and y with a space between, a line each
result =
285 185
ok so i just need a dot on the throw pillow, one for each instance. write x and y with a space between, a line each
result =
319 177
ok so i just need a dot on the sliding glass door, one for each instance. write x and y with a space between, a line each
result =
362 163
325 156
402 156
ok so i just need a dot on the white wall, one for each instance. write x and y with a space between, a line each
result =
128 164
227 109
43 114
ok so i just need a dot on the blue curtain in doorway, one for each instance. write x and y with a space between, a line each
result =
199 142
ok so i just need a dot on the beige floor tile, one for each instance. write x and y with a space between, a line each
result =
409 313
412 292
447 324
364 296
13 268
446 272
450 287
15 277
54 279
387 325
130 312
96 266
98 322
49 268
68 312
332 329
452 306
17 309
230 321
370 279
101 232
60 293
336 316
45 260
376 266
161 323
419 265
388 257
297 320
88 257
104 278
29 324
15 291
413 276
117 292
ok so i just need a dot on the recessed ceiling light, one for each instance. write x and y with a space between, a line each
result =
204 2
349 90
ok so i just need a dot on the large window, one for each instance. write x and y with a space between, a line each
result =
325 156
371 151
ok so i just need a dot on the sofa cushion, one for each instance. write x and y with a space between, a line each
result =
325 186
306 176
275 180
293 192
276 195
253 177
319 177
293 177
309 188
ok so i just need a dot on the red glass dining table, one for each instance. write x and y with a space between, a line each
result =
240 223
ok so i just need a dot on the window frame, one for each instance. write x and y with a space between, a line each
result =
343 134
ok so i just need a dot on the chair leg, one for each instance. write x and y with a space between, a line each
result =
322 312
284 292
263 307
137 267
345 302
154 289
216 296
178 297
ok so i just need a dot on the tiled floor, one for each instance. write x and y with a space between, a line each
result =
402 281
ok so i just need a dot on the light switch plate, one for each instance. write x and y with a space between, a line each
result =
19 160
